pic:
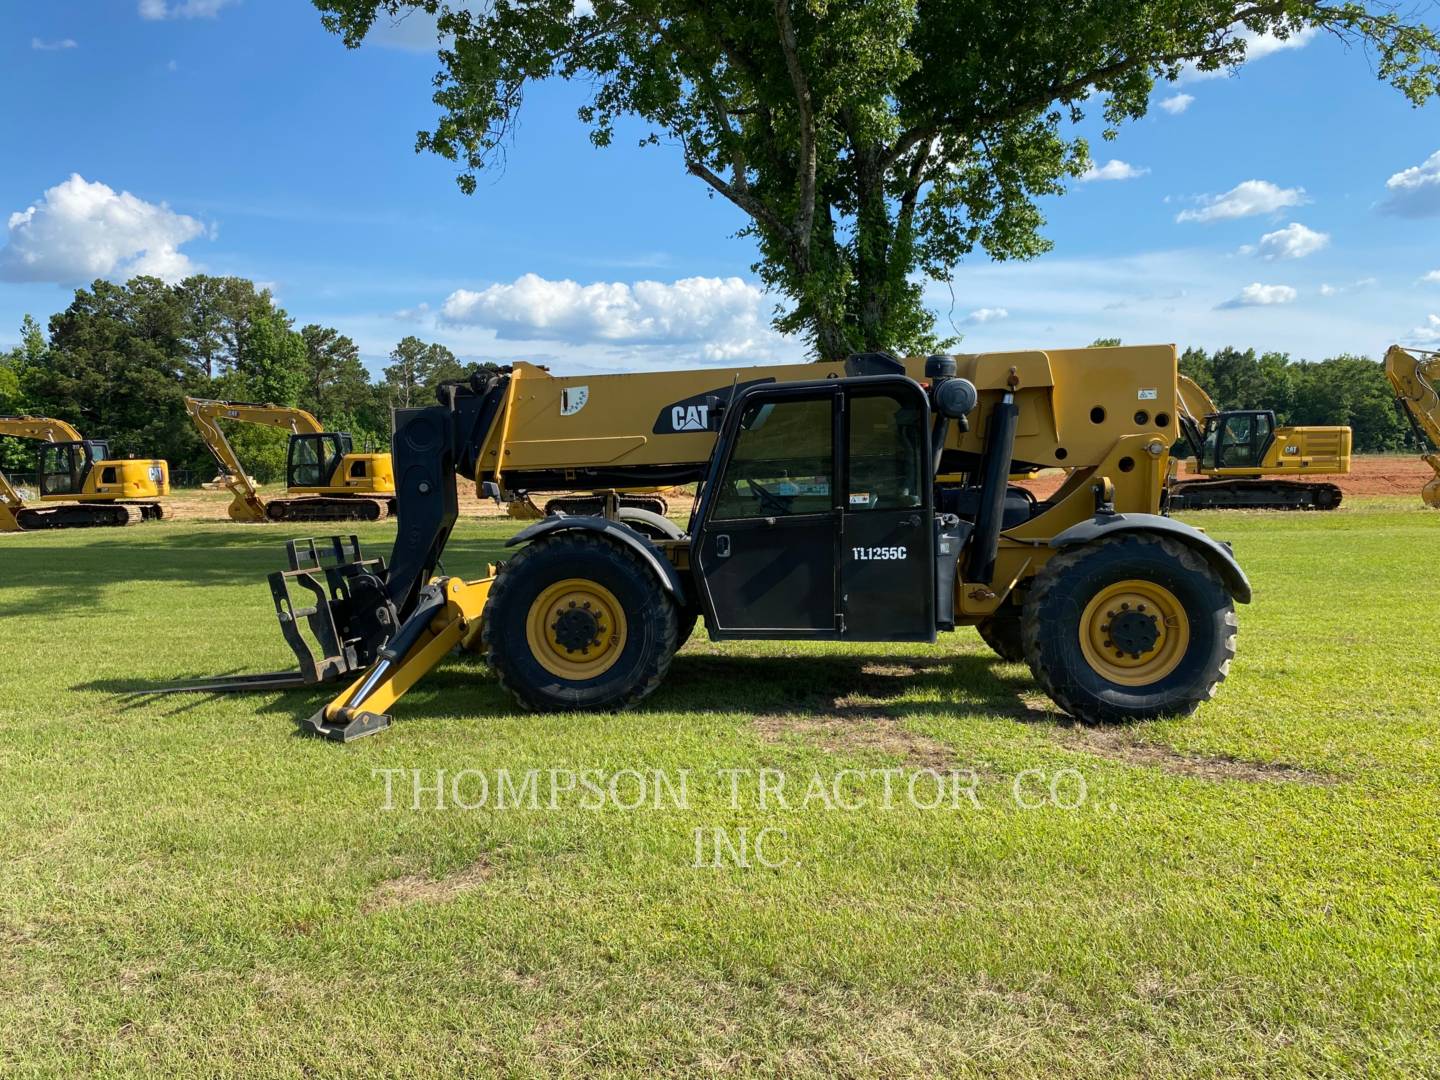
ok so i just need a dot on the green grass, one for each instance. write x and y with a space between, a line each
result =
186 885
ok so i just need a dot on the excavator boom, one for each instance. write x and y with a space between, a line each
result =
1415 376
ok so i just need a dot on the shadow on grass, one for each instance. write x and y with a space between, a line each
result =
853 689
71 578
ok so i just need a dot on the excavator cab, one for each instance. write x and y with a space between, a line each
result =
313 460
1238 439
66 466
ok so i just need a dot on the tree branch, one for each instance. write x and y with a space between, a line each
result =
743 199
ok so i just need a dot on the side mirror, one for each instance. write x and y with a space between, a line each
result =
955 398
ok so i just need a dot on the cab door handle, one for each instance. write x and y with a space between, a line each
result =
722 546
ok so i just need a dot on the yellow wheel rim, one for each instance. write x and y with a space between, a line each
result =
576 629
1134 633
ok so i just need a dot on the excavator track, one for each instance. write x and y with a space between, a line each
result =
87 515
320 508
1254 495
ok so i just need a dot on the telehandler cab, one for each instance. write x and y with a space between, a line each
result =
81 485
818 518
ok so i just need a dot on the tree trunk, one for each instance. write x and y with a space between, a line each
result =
873 236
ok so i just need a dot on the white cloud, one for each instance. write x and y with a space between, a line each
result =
983 315
1111 170
1176 104
1244 200
1257 47
57 45
726 318
81 230
1354 286
156 10
1257 295
1415 192
1429 334
1294 241
1432 278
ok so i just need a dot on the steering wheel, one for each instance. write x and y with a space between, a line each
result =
769 500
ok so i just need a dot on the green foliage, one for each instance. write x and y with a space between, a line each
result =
114 369
870 144
272 360
122 357
1345 390
1104 343
16 455
216 315
416 369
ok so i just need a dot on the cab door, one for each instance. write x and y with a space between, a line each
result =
1243 439
887 533
769 518
64 468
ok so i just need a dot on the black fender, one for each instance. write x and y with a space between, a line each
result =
1218 555
619 533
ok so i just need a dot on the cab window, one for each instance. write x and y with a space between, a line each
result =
305 463
62 469
782 462
885 451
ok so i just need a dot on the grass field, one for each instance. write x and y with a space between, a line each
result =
187 885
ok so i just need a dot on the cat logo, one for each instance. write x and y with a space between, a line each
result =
690 417
700 412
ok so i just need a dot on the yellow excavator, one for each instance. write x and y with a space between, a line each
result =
1246 461
325 480
1415 373
80 483
818 518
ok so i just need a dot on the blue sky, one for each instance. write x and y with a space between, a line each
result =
1294 206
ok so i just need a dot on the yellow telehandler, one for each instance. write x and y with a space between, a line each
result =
818 518
81 485
1415 373
325 480
1242 455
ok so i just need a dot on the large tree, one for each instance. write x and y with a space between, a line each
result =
217 313
336 382
416 367
113 368
871 144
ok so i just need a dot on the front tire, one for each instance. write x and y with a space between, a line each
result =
576 621
1130 627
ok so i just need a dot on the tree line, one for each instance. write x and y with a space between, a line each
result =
119 360
1346 390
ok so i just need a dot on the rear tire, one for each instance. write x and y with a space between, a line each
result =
1001 631
1130 627
576 621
